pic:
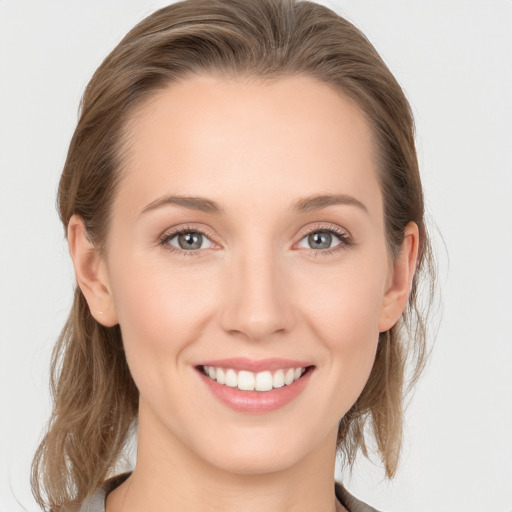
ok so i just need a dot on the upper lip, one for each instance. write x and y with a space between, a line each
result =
255 365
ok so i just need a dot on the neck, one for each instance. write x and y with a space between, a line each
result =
170 476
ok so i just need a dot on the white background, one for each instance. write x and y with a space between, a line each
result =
454 60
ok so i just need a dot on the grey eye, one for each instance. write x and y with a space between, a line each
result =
190 241
320 239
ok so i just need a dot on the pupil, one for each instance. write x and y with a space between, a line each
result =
190 240
320 240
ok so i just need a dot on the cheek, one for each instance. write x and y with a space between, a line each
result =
342 309
161 310
344 303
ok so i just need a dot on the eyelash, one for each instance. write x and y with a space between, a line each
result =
166 237
344 238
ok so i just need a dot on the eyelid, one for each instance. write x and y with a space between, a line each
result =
342 232
170 233
345 239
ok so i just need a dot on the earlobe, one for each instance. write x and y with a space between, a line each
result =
397 294
91 273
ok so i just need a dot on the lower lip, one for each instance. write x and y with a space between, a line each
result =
256 402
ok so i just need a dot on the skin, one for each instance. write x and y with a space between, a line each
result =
255 289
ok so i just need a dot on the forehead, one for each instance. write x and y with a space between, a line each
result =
228 138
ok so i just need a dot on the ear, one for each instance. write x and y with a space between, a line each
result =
400 281
91 273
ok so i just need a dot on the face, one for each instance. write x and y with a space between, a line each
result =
247 241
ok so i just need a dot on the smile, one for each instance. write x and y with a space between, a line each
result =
255 386
250 381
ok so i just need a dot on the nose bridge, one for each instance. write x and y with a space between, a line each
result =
257 303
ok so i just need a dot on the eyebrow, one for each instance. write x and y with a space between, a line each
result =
192 203
317 202
306 204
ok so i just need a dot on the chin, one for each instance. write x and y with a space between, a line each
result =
259 451
260 463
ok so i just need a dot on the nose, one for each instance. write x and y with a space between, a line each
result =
257 298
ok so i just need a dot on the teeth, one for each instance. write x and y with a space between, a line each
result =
278 380
246 381
289 376
231 379
249 381
263 381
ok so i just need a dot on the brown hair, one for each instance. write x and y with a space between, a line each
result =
95 398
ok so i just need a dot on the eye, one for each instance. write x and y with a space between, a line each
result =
186 240
322 239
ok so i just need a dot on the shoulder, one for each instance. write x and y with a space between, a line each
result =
351 503
96 502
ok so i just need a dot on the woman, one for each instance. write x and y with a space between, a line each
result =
245 217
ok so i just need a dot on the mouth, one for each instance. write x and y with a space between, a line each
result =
255 387
262 381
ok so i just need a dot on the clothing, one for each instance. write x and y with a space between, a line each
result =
96 503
